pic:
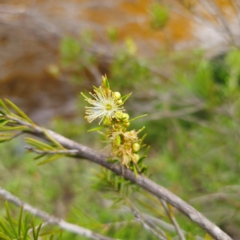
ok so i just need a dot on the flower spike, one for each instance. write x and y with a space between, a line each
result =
108 107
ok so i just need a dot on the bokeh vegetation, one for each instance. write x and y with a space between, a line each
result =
193 107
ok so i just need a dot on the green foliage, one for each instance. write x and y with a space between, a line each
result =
22 228
18 111
18 124
203 81
108 182
9 130
69 50
75 57
219 69
112 33
232 62
159 16
134 70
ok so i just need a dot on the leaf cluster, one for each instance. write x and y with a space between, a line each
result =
23 228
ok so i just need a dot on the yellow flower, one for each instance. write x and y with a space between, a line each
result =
104 105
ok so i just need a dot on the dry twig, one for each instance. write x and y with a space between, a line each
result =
173 220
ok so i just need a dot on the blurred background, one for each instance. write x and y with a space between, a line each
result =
181 61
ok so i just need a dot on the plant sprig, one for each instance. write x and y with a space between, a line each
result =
107 106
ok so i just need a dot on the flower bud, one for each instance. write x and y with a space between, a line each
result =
118 140
119 102
136 147
125 117
119 114
132 135
107 121
127 124
135 158
116 95
105 83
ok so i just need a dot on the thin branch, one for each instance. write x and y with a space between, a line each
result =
173 219
51 219
176 113
168 227
196 16
140 180
213 197
139 217
147 226
70 152
200 19
222 20
236 9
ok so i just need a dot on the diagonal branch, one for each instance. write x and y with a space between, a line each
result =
173 220
142 181
51 219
